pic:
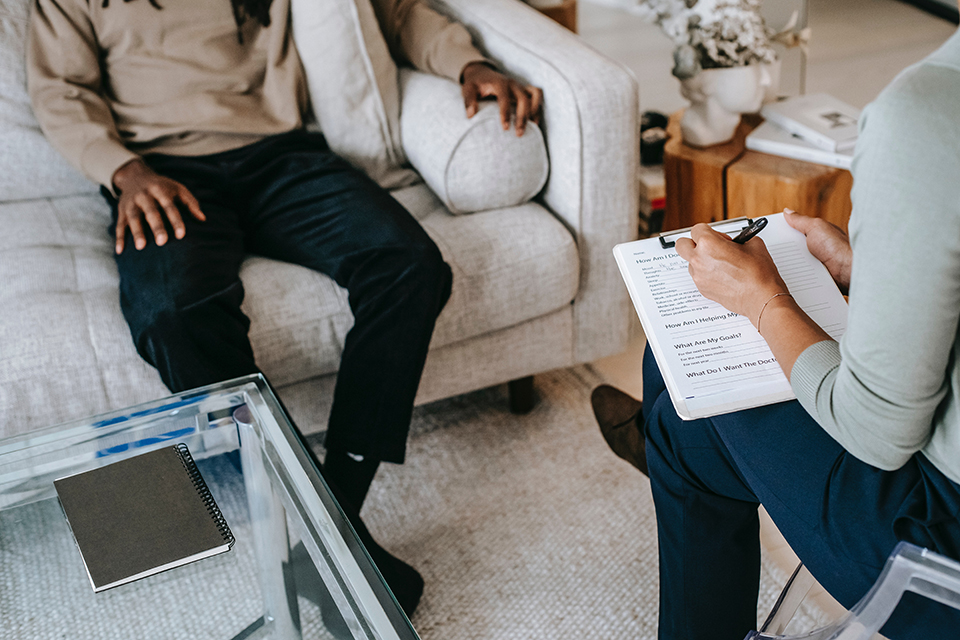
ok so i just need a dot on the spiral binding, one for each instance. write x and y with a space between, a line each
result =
191 467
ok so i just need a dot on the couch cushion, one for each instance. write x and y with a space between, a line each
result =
298 319
66 352
29 166
509 265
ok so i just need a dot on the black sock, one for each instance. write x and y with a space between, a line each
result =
351 476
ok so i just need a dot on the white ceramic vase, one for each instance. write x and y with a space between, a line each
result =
719 96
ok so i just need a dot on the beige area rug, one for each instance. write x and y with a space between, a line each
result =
526 527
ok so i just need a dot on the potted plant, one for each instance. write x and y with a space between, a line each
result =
723 59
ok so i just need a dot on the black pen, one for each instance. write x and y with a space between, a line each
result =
750 231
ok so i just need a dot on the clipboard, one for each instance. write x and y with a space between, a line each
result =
673 236
712 360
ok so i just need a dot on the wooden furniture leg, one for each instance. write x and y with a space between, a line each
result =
522 397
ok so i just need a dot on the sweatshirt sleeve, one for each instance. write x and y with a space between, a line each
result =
878 392
429 41
65 84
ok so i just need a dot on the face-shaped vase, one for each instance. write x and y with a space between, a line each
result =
719 96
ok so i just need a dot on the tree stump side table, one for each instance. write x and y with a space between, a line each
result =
728 181
564 12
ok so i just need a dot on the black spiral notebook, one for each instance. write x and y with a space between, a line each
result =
143 515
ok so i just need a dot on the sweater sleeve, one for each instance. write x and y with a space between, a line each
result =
878 392
429 41
64 82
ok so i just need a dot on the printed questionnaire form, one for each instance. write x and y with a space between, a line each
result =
712 360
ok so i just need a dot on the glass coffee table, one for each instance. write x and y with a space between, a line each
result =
297 569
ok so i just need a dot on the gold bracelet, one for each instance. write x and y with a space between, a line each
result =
760 315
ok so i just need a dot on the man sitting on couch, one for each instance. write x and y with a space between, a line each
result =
190 115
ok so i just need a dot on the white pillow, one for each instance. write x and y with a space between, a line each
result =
29 166
352 81
471 164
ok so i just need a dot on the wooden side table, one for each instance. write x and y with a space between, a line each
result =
727 181
565 13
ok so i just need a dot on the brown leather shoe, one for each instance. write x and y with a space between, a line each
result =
621 424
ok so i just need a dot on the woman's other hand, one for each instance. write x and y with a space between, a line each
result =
828 243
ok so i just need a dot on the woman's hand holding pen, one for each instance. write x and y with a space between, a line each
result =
741 277
744 279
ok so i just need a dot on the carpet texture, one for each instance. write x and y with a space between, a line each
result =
217 598
526 527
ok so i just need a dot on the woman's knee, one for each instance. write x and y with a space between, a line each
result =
693 451
658 427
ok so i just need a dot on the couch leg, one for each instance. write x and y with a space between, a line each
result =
522 397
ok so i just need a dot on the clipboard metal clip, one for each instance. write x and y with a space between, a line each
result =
666 243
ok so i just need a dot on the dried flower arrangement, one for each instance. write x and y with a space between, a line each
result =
711 34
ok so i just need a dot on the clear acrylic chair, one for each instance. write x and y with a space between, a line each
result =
909 568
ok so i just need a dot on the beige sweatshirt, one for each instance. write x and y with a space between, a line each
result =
111 83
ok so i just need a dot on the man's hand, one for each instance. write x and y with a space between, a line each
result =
480 81
828 244
143 195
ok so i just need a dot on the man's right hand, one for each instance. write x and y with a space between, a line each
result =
144 194
828 244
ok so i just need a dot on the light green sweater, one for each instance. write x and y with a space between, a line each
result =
891 388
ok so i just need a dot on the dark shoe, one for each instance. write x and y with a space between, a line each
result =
621 423
310 585
404 581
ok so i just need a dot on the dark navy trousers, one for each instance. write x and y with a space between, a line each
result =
842 516
290 198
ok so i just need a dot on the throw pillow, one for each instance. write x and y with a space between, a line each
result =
471 164
352 81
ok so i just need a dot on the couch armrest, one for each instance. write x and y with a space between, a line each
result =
591 123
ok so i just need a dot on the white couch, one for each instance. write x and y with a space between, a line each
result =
535 285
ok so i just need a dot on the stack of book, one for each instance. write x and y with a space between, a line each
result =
816 128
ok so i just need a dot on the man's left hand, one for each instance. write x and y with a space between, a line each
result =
481 81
